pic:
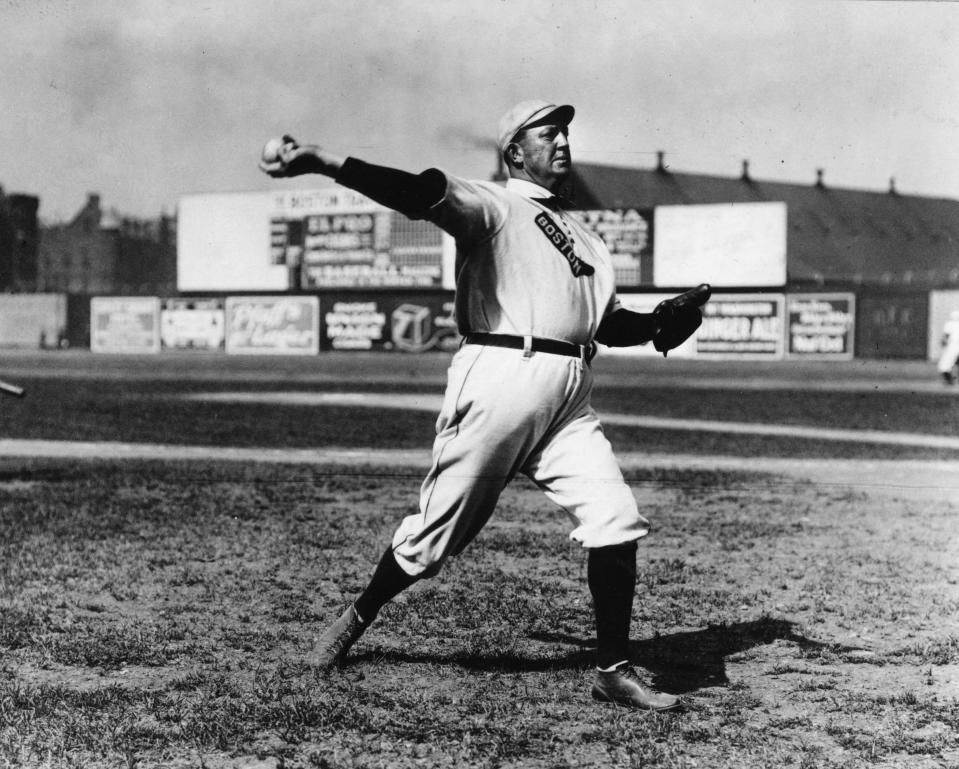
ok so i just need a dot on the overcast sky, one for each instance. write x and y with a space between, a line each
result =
143 101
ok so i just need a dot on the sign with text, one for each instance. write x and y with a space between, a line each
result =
402 322
273 325
121 324
192 324
892 325
354 325
820 325
742 326
351 242
627 233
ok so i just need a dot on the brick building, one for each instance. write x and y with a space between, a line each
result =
103 252
18 242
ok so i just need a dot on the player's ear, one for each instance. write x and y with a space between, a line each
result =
514 154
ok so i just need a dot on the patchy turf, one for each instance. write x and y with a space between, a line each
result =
155 615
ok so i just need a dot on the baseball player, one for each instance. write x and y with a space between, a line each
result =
534 291
950 348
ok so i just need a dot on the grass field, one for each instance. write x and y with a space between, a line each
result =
156 614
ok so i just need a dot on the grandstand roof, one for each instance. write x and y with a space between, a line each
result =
835 235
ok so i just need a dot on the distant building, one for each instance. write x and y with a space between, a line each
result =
103 252
18 242
836 237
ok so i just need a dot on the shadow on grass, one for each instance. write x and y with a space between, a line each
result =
685 662
677 662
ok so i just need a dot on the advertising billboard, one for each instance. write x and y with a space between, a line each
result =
742 326
303 239
402 322
121 324
192 324
32 320
628 234
820 325
726 245
273 325
359 249
892 325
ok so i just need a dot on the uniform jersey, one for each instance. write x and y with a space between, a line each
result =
522 268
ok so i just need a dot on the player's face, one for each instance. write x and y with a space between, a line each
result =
546 156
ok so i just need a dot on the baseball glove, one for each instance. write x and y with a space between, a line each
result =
677 318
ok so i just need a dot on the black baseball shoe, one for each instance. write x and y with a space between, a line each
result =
330 648
624 687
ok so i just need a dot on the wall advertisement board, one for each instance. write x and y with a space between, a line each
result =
32 320
358 249
192 324
742 326
402 322
628 234
125 324
892 325
820 325
272 325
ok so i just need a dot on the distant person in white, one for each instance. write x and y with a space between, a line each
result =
950 348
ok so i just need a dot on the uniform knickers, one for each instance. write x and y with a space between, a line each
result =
504 414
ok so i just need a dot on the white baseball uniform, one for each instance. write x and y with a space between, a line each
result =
950 350
524 270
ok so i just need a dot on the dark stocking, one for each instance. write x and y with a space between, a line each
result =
611 574
387 582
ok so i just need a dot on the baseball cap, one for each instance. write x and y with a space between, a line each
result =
531 112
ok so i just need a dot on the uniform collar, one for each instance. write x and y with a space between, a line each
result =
527 189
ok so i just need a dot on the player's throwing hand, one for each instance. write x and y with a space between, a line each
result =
280 155
285 157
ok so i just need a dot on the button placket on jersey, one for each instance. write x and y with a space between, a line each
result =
564 223
569 232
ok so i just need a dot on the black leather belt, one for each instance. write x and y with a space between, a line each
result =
535 344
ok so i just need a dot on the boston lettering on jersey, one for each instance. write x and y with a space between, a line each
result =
558 238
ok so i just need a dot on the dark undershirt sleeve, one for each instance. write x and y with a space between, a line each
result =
410 194
624 328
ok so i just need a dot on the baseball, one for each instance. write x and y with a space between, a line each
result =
271 150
